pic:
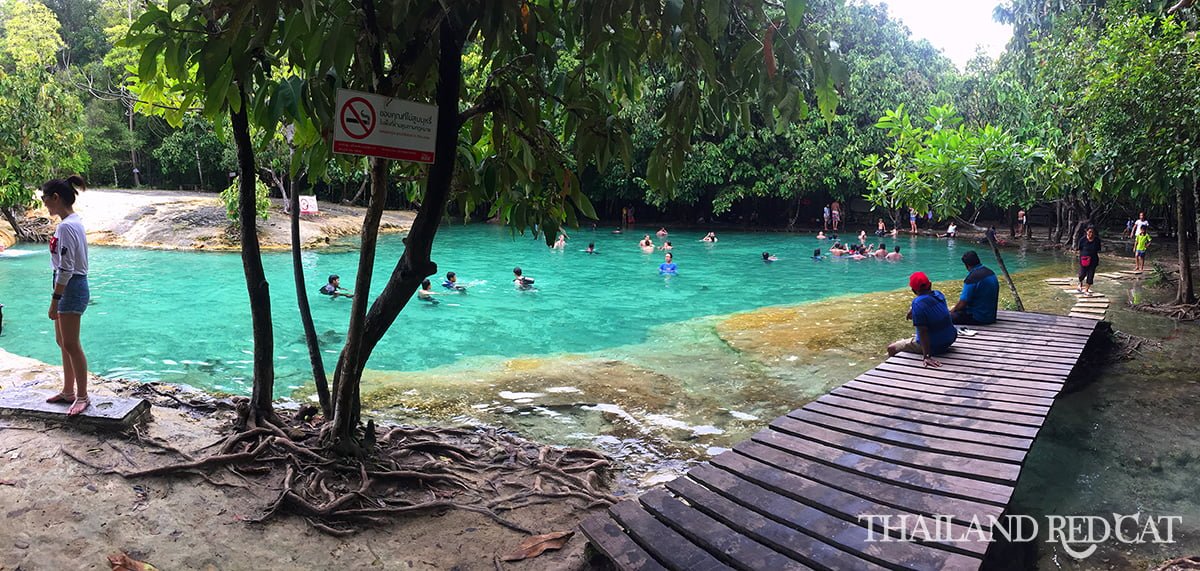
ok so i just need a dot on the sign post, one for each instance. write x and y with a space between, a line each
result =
377 126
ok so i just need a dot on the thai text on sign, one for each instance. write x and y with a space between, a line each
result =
377 126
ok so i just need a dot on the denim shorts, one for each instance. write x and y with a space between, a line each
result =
76 296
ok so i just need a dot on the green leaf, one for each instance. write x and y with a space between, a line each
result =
795 12
148 63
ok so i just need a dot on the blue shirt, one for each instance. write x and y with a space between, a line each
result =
665 268
929 310
981 290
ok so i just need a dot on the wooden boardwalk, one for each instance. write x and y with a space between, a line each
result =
900 439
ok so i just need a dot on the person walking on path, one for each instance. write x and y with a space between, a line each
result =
835 214
1140 244
1089 259
69 259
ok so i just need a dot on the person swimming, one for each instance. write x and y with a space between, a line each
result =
895 256
666 247
821 235
817 255
881 252
668 267
560 243
591 249
768 258
451 283
522 281
662 233
426 293
646 244
710 237
334 288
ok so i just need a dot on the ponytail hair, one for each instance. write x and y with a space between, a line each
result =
65 188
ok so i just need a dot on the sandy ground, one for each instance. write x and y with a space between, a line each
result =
59 514
196 220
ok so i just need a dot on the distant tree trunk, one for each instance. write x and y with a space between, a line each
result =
22 235
306 319
1184 215
1012 286
256 279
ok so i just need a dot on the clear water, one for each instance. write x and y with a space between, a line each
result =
183 316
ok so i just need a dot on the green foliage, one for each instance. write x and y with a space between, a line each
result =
31 39
262 202
39 136
195 146
944 165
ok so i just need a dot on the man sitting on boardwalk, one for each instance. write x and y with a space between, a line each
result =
981 290
935 330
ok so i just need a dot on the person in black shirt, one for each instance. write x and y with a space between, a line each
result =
1089 259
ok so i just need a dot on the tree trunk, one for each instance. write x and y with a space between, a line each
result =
414 264
1185 294
22 235
1012 286
310 330
256 279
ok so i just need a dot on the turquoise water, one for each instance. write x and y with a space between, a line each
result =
182 316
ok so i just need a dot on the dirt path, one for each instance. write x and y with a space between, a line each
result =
195 220
60 514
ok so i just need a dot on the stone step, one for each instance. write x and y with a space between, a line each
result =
106 412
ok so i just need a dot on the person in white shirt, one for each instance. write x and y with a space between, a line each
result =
69 259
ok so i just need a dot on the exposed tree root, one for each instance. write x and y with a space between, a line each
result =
409 470
1126 347
1183 312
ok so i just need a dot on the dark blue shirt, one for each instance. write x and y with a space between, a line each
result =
981 290
929 310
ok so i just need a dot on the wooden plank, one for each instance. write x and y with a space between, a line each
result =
985 361
880 490
606 535
1044 318
848 507
734 548
1081 308
1046 355
1052 319
953 367
843 534
1087 316
915 477
1000 394
1019 424
991 470
918 392
901 367
674 550
965 429
790 542
990 350
798 421
1036 329
1029 338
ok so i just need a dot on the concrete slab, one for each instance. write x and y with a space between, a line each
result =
106 412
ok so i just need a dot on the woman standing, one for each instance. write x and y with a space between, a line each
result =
1089 259
69 258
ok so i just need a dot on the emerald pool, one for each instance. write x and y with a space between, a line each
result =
183 317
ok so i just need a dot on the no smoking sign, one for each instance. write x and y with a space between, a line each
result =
377 126
358 118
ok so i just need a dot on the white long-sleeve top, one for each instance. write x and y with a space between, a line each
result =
68 249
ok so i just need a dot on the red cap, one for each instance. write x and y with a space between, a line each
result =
918 281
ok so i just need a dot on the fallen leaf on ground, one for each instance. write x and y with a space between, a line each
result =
120 561
536 545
